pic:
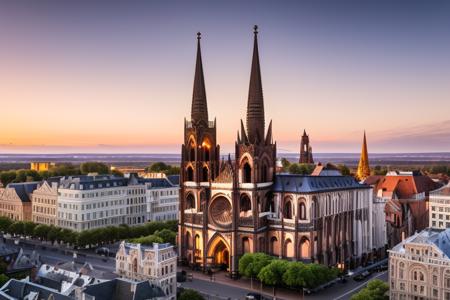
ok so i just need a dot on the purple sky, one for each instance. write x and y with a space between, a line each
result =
102 76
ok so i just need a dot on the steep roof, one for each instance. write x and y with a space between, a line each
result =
199 110
24 189
314 184
405 186
120 288
255 104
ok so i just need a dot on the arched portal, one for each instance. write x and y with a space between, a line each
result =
219 252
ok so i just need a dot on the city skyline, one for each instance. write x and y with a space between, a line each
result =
95 84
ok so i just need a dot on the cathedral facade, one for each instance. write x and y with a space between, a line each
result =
231 206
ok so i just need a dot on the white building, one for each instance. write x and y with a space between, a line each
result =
86 202
157 264
162 199
419 267
440 208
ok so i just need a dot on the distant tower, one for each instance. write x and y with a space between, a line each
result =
306 156
363 167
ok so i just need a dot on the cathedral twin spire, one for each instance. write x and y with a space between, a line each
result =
255 105
199 110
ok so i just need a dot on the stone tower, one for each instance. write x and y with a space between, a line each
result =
363 166
199 157
306 156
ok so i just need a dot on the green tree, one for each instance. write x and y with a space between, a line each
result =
54 234
7 177
5 222
159 167
285 163
147 240
85 238
173 170
41 231
272 274
64 169
294 275
344 170
94 167
250 264
190 295
16 228
167 236
28 228
376 290
295 169
3 279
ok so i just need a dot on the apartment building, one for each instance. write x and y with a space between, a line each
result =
87 202
156 263
440 208
162 199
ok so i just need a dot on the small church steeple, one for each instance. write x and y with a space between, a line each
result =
255 105
363 166
199 105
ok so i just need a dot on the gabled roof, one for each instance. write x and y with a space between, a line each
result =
314 184
404 186
19 289
24 189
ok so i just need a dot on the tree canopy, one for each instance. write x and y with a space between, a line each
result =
190 295
376 290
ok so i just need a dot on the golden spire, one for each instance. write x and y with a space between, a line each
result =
363 167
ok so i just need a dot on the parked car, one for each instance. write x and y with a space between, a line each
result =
102 251
361 276
253 296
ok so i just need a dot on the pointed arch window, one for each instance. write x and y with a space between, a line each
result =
288 209
190 173
245 203
302 210
247 173
190 201
205 172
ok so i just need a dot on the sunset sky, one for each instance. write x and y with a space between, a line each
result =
102 76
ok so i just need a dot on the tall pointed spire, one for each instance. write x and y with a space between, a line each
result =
363 166
255 105
199 104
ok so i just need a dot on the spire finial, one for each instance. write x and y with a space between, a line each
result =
199 35
255 29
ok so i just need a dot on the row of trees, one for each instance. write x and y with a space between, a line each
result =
63 169
159 236
279 272
161 167
166 231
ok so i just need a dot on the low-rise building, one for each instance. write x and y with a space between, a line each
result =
419 266
15 201
162 199
157 264
44 203
440 208
86 202
404 196
41 166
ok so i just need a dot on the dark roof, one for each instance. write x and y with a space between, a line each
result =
158 182
24 189
119 288
92 182
16 289
174 179
314 184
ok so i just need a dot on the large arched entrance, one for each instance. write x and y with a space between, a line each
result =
219 253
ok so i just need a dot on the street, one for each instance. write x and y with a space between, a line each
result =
221 287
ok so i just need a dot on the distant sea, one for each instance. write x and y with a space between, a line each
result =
143 159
